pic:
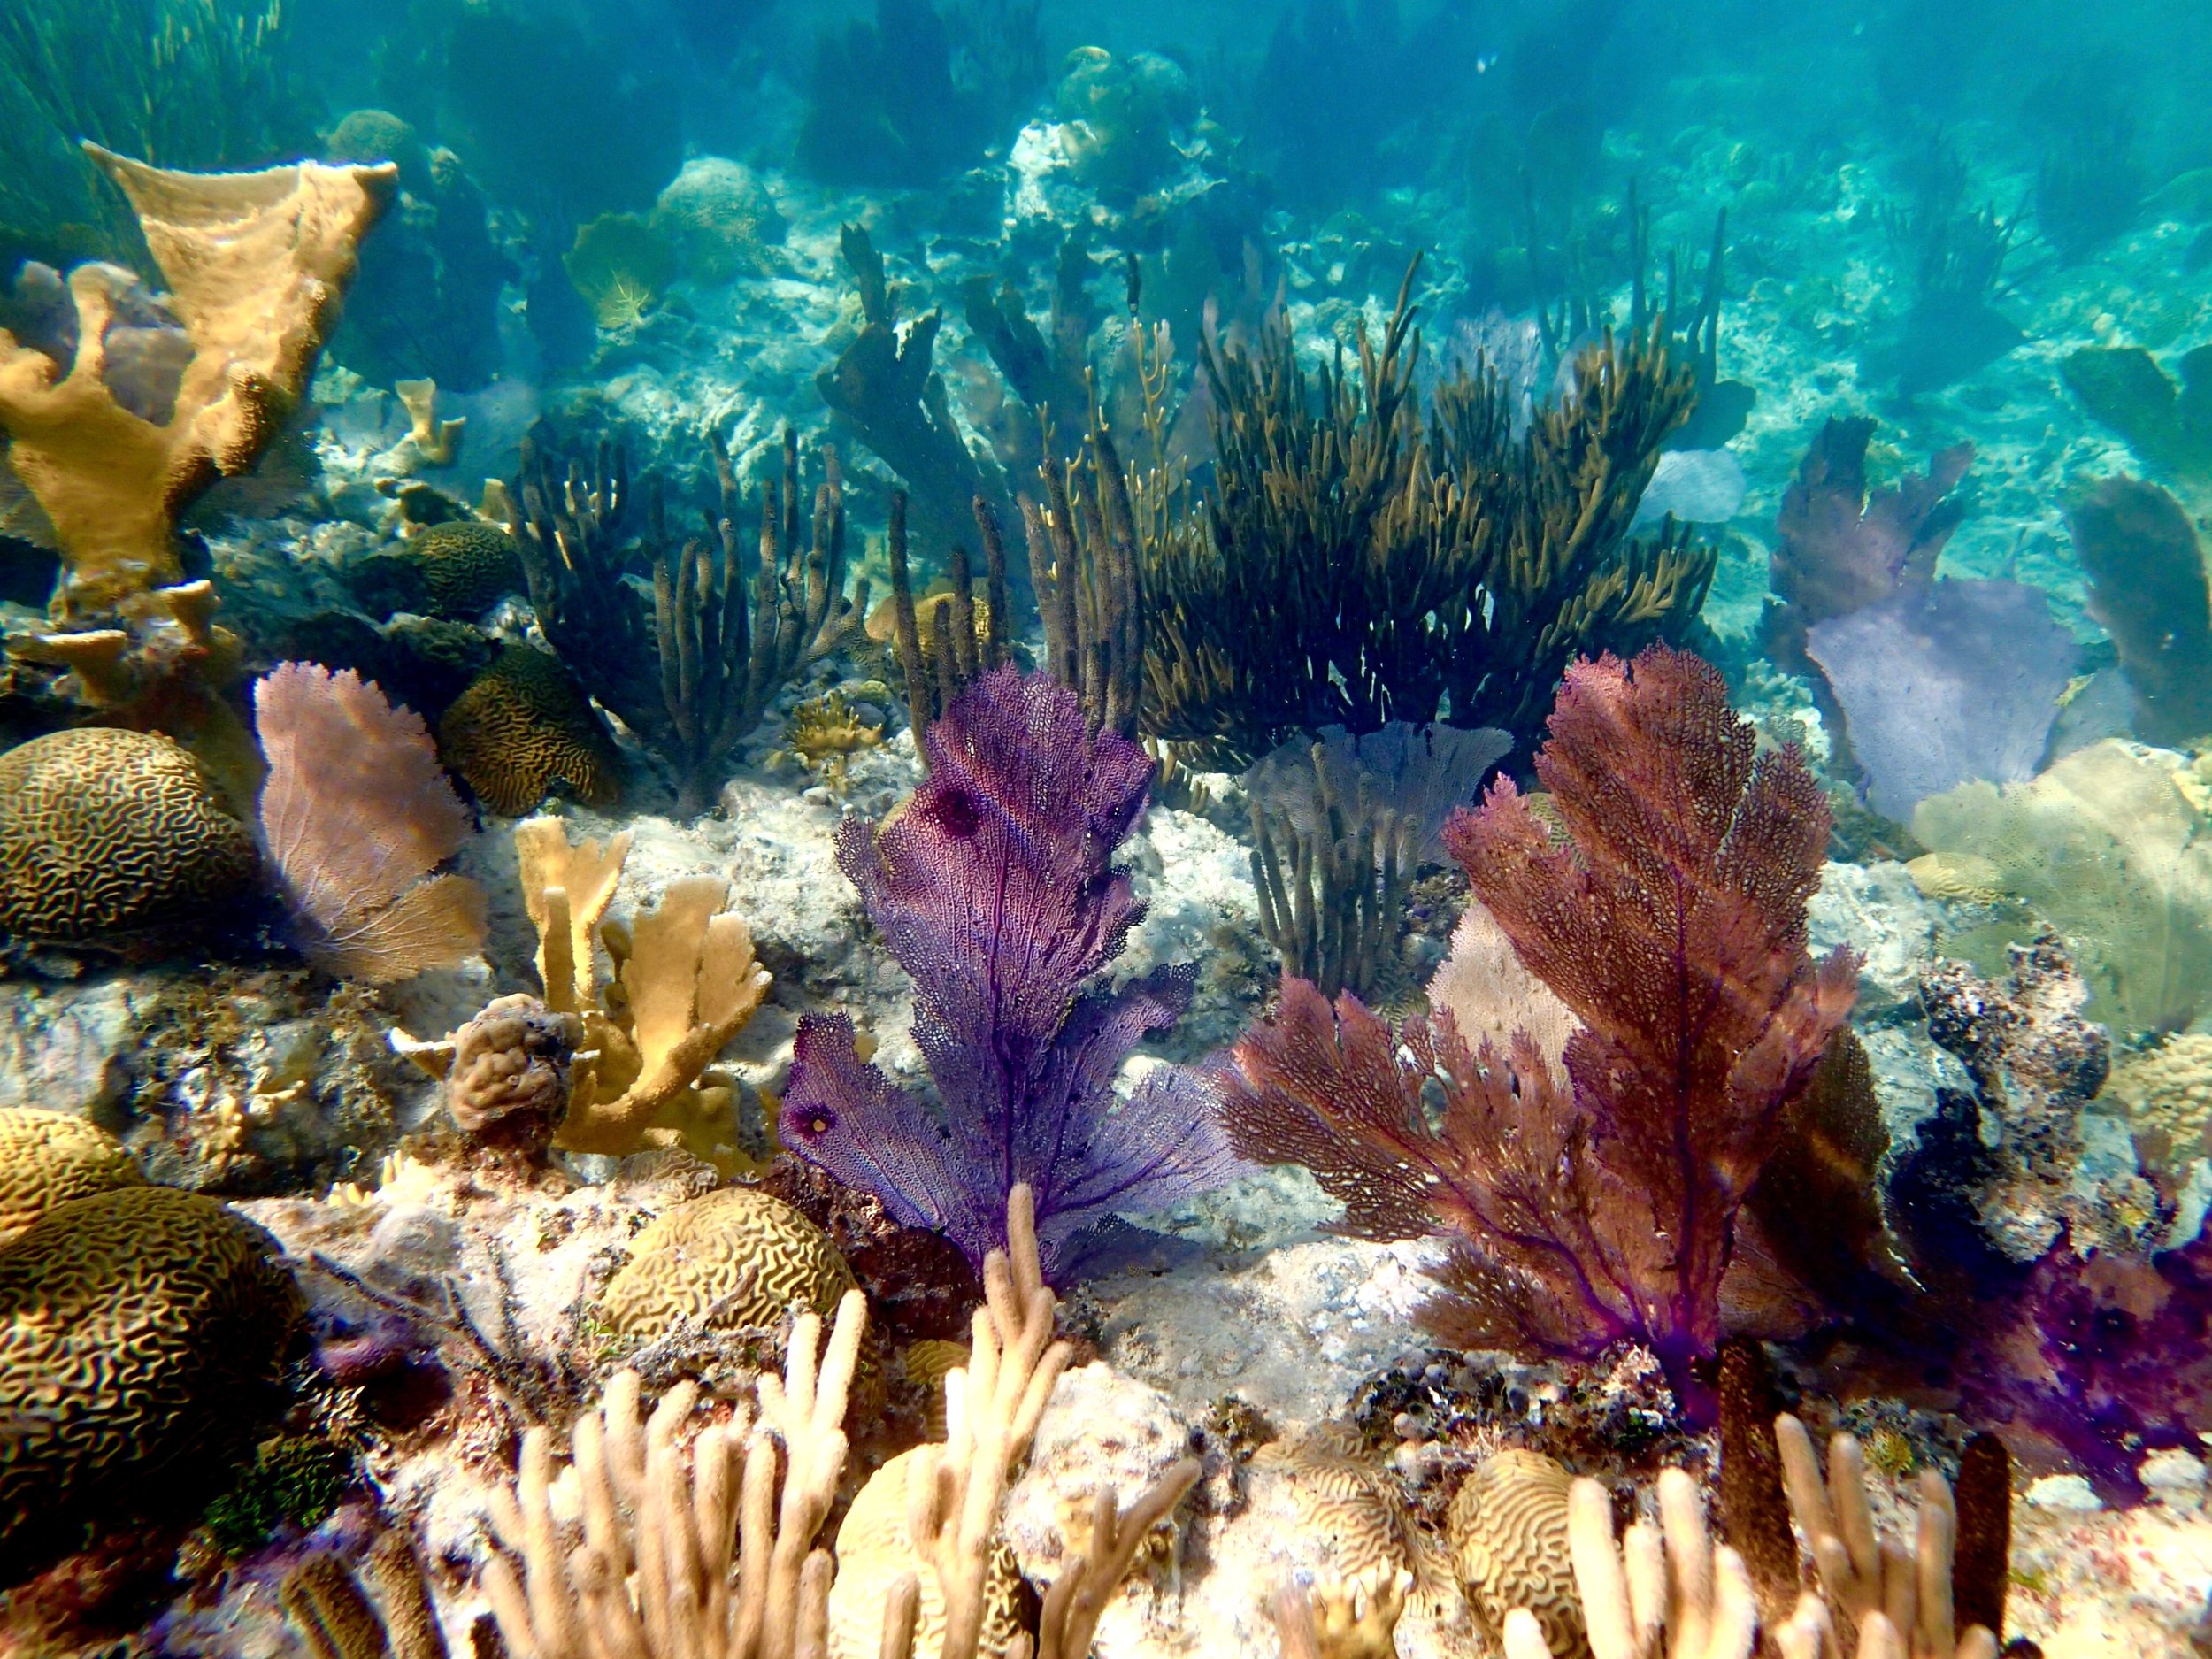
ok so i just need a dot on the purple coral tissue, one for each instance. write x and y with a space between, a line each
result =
995 888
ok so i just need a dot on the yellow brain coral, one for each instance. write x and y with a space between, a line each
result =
467 566
1508 1528
522 726
106 834
734 1257
875 1549
48 1158
140 1330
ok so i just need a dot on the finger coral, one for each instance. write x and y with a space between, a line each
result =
522 728
734 1257
110 835
140 1333
1593 1202
48 1158
994 888
355 816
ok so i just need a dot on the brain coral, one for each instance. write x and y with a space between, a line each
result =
523 725
1508 1528
139 1329
47 1158
874 1549
467 566
106 834
734 1257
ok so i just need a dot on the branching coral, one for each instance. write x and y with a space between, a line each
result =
687 982
993 887
354 817
886 391
965 637
1594 1202
1357 565
693 674
257 263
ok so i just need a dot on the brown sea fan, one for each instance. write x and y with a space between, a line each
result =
355 815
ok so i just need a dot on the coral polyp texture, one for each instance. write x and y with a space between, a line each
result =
1591 1198
48 1158
1507 1529
995 888
256 262
466 566
522 728
735 1258
142 1333
108 834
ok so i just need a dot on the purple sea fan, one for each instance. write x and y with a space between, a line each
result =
995 890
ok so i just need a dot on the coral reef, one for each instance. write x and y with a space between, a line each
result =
257 263
49 1157
524 726
1022 804
109 836
2168 423
1117 118
1681 881
354 817
694 673
734 1259
142 1333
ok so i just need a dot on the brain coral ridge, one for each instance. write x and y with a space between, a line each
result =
467 566
734 1257
107 833
138 1330
523 726
48 1158
1507 1527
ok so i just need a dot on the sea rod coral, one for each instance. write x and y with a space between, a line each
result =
1591 1199
994 888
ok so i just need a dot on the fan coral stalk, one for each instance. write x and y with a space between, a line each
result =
994 888
1593 1200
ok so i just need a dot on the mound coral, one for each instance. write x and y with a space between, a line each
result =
993 887
1592 1198
734 1257
1508 1528
467 566
141 1331
111 835
512 1071
524 726
355 816
48 1158
721 220
2167 1095
875 1550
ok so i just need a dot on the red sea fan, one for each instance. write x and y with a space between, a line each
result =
355 814
1601 1205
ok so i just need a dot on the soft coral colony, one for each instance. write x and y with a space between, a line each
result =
808 1351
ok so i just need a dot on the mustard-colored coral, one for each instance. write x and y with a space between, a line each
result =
826 731
688 983
437 442
875 1549
1967 877
620 265
734 1257
109 835
48 1158
140 1330
467 566
2167 1091
256 262
1508 1528
521 728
